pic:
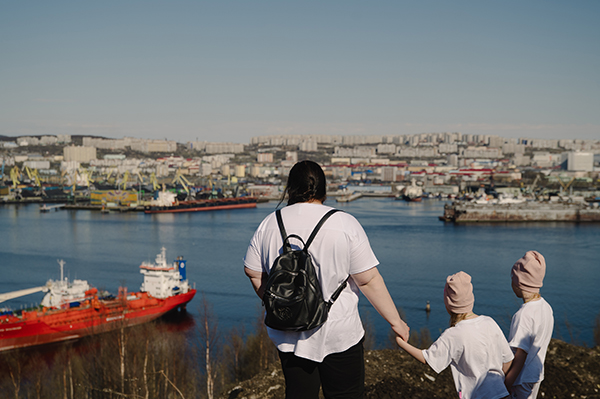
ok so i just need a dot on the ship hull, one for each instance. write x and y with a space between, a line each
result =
408 198
204 205
93 317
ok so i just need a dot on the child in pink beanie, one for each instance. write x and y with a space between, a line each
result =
474 346
530 329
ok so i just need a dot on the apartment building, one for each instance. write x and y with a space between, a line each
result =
216 148
580 161
264 157
308 146
79 154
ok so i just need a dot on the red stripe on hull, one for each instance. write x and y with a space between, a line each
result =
205 208
38 328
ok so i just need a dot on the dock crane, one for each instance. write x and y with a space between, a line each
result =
109 174
154 181
124 181
566 186
15 176
180 178
140 178
69 178
85 177
531 188
33 176
211 184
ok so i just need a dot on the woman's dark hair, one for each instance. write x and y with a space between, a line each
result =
306 182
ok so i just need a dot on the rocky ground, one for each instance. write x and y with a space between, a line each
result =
571 372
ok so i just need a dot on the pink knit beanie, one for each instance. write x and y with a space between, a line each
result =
528 273
458 293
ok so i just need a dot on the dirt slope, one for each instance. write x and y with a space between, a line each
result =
571 372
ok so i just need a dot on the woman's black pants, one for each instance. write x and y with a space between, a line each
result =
342 375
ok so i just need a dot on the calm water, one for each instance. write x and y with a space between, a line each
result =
415 249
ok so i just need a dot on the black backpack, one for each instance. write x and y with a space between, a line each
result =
293 297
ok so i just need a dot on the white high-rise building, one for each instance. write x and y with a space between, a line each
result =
580 161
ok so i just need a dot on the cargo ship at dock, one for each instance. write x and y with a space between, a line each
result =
72 310
166 202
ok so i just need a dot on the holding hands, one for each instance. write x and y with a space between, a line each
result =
402 331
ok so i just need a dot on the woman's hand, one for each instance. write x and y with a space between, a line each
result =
402 330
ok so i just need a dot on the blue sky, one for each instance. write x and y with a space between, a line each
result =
227 71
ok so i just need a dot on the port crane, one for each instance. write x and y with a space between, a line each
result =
154 181
109 174
140 178
179 178
565 186
15 176
69 178
33 176
124 181
531 188
85 177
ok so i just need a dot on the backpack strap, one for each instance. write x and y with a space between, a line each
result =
339 289
337 292
286 244
284 236
318 226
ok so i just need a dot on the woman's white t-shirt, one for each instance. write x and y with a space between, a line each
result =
475 349
341 248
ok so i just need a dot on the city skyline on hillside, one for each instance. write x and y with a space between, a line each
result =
228 71
427 138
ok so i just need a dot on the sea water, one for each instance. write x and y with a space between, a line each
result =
416 252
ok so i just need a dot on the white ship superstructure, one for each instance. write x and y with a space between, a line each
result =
162 280
413 191
62 291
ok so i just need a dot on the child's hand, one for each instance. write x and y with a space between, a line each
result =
399 341
411 350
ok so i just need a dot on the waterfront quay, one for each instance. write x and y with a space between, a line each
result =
529 211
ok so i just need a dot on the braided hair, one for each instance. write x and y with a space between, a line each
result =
306 182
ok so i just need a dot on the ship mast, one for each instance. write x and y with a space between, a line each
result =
61 262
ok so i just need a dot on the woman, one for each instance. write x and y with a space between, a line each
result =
330 356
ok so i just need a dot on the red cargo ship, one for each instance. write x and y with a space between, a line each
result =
72 310
203 205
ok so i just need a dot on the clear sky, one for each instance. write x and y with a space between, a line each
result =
229 70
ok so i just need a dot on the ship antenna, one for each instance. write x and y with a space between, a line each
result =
61 262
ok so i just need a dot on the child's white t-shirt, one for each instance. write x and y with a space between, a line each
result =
475 349
531 330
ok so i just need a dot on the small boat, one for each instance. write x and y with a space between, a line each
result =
349 197
47 208
412 193
73 309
